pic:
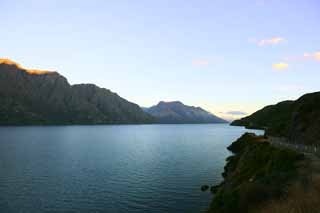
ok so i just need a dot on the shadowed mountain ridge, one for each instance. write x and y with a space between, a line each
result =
43 97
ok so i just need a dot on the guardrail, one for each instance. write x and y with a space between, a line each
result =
298 147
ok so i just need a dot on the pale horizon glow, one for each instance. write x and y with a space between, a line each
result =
224 56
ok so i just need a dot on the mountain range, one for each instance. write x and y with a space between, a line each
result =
176 112
42 97
45 97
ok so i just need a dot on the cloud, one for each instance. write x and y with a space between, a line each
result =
280 66
271 41
232 115
307 56
235 113
312 56
200 62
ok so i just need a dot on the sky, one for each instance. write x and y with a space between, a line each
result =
231 57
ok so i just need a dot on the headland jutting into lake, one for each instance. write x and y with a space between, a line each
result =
278 172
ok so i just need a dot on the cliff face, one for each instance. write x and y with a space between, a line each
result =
299 120
44 97
177 112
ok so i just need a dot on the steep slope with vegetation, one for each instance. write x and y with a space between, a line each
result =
298 121
263 178
44 97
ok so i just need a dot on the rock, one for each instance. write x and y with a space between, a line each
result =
214 189
204 188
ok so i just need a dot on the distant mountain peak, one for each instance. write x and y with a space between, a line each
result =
170 103
177 112
29 71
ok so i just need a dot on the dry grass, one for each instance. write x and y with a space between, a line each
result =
303 195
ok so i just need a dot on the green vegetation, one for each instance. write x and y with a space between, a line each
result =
261 178
274 118
256 173
298 121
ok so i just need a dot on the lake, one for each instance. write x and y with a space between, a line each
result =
115 168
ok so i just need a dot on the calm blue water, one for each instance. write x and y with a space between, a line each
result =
134 168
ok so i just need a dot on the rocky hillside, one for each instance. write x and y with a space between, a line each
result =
44 97
298 121
261 178
177 112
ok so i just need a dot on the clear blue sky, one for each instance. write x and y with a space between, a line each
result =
235 55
